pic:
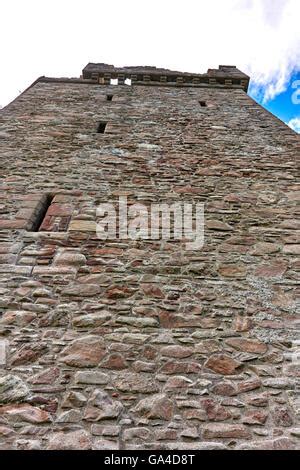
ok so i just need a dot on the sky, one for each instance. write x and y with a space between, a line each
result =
58 38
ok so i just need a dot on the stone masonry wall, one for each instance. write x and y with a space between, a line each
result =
142 344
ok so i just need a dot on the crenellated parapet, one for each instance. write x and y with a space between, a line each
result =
227 76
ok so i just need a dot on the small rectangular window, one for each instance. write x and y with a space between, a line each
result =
203 104
114 81
109 97
42 213
47 212
101 127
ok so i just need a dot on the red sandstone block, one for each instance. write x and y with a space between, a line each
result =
82 226
62 198
9 268
189 190
48 270
54 223
31 204
70 192
107 251
25 412
273 269
25 214
12 224
226 431
60 210
33 197
46 225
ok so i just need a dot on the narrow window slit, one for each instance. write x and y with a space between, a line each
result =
101 127
203 104
42 213
109 97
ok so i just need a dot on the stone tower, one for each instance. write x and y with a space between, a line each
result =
143 344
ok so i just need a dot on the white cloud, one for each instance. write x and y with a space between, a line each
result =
277 45
57 38
295 124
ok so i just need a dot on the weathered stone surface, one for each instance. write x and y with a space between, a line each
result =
16 317
169 320
176 382
101 406
207 346
76 440
144 343
232 270
196 446
282 443
70 416
74 399
12 389
139 434
119 292
263 248
105 430
291 249
143 366
218 225
222 364
255 417
295 432
248 385
177 367
197 414
157 406
27 444
130 382
282 416
276 269
105 444
82 290
69 258
82 226
27 354
28 413
3 352
92 378
5 431
227 431
47 376
214 411
114 361
248 345
279 383
242 324
84 352
152 290
138 322
226 389
91 320
176 351
258 400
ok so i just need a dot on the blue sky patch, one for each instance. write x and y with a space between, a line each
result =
285 105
